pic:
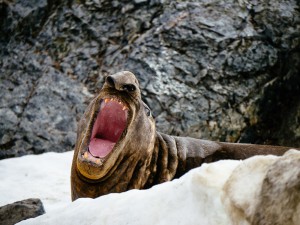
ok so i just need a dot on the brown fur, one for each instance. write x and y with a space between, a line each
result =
143 157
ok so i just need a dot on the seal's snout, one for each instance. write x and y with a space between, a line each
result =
110 81
122 81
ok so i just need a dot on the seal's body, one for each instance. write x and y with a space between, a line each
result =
118 148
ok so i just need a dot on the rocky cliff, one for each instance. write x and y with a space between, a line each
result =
218 70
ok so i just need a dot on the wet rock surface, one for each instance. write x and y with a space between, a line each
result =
218 70
13 213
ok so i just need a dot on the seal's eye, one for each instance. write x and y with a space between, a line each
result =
147 110
128 87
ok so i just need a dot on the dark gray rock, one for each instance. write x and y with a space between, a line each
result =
13 213
219 70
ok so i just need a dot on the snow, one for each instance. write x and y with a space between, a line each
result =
45 176
182 201
177 202
202 196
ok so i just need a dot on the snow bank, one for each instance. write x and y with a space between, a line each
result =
195 198
225 192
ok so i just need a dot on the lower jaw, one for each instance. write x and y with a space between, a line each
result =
89 169
88 157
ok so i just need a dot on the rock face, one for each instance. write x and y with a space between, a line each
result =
218 70
13 213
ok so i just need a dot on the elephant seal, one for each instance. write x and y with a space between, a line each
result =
118 148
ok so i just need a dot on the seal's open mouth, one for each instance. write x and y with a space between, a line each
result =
108 127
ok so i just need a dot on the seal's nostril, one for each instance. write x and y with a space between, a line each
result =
129 87
110 81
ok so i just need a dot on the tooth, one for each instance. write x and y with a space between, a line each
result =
98 161
124 107
120 103
106 100
85 155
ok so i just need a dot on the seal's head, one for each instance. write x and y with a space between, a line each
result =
116 132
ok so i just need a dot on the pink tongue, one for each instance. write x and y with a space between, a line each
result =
108 127
101 148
